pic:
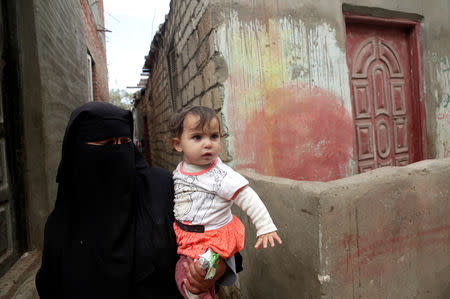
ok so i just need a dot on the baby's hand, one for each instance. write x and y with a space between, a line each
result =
270 237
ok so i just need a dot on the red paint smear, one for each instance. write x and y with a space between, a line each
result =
301 137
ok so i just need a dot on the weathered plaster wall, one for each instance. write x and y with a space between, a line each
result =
382 234
287 100
54 82
277 75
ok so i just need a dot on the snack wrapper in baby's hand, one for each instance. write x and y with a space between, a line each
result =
209 261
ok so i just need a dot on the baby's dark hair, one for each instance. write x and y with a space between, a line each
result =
176 121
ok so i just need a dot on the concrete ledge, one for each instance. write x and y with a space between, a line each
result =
381 234
18 282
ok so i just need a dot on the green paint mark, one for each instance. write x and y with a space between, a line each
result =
448 100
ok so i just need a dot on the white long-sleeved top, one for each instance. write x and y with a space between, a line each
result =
205 196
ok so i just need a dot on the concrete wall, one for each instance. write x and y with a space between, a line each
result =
266 65
382 234
54 81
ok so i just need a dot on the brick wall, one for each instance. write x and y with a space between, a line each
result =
184 70
95 42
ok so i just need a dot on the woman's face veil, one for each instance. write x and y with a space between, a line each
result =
110 234
98 182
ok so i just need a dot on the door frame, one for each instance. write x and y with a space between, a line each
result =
13 132
417 74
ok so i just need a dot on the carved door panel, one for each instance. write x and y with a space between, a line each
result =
380 76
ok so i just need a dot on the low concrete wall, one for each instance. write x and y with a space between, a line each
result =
382 234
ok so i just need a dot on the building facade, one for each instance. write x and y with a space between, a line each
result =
53 60
306 90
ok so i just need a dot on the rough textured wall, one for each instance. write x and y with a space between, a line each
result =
276 72
287 96
287 101
54 78
183 68
382 234
94 25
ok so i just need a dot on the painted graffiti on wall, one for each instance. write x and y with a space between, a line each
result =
363 260
441 64
367 254
445 116
443 61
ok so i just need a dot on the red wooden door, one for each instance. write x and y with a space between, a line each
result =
379 60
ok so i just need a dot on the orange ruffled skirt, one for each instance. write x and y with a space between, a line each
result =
225 241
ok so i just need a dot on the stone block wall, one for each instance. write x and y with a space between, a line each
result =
185 70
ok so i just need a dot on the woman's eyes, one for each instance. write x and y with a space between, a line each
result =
111 141
124 140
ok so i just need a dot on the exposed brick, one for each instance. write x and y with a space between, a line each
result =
209 76
190 90
202 54
193 44
204 26
185 77
179 82
192 69
212 45
179 64
207 100
215 98
198 85
185 55
196 101
184 97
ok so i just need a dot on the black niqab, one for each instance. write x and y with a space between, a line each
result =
109 235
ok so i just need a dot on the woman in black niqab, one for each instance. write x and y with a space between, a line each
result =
109 235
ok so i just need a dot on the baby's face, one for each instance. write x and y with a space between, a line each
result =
200 146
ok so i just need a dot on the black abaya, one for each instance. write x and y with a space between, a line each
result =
110 234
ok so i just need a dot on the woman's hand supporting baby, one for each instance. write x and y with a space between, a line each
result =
195 281
268 238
